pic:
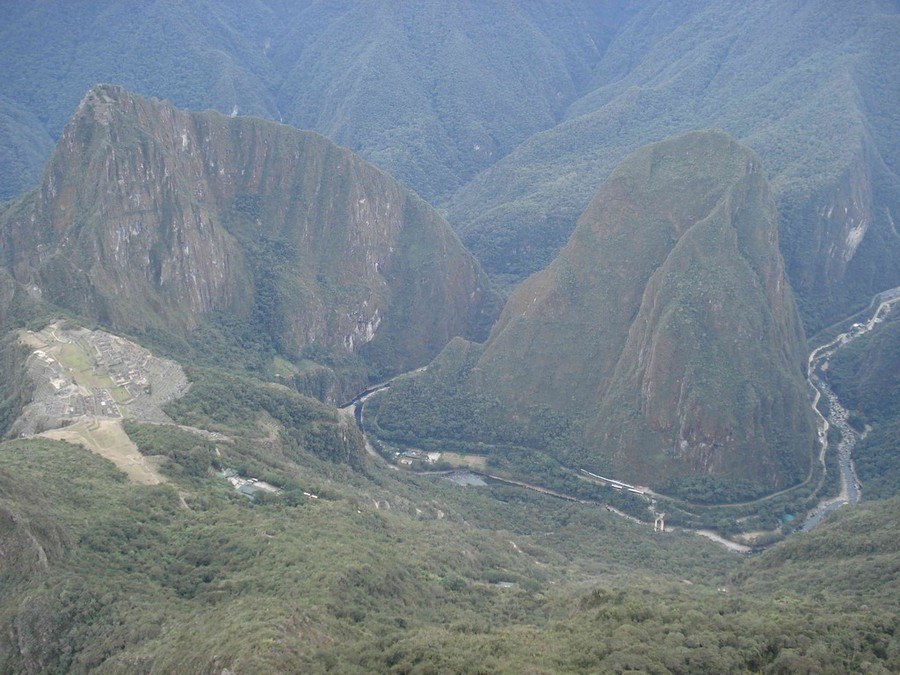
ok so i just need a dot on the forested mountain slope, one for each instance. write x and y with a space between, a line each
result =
665 328
431 92
150 218
379 575
510 113
866 377
197 54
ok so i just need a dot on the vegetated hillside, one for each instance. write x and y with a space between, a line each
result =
15 386
432 93
155 220
436 91
381 573
24 148
824 601
192 576
665 327
813 88
852 553
866 376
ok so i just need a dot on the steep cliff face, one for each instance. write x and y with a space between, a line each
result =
849 240
666 323
149 216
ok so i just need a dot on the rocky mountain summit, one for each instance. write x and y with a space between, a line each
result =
152 218
666 325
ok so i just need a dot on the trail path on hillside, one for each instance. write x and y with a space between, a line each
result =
107 438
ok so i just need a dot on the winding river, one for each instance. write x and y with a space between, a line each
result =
837 414
817 366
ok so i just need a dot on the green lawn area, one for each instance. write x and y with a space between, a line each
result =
469 461
78 360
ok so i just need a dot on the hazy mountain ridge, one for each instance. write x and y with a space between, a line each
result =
438 95
436 92
199 55
24 147
151 217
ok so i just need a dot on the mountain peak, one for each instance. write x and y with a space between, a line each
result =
674 333
104 93
154 217
101 101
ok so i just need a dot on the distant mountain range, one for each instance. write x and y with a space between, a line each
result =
432 92
795 81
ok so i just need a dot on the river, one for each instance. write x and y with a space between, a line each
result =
837 414
817 365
